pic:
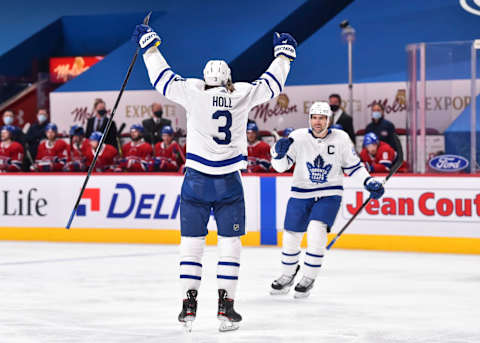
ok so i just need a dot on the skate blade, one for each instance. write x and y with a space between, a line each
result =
188 324
300 295
227 325
279 291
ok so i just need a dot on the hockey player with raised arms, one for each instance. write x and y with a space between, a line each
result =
322 155
217 113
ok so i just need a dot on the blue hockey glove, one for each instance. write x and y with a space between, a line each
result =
284 44
281 147
145 37
374 187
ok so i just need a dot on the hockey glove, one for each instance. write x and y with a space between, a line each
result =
281 147
145 37
374 187
284 45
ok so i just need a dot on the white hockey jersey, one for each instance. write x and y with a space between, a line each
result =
216 118
320 163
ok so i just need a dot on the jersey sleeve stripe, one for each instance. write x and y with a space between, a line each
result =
186 276
160 76
274 79
344 168
211 163
268 84
166 84
307 190
354 171
189 263
233 264
227 277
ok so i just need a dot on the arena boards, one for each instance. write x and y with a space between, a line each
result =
417 213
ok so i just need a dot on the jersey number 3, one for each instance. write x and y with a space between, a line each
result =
224 129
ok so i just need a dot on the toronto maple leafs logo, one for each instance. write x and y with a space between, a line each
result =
318 170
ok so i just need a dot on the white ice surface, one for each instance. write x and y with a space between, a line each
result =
130 293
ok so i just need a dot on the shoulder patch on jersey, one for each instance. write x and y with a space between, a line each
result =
318 170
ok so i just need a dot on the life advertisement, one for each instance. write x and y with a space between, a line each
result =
445 100
109 201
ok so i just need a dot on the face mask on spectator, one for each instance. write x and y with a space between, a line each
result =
158 114
376 115
8 120
102 112
334 108
41 118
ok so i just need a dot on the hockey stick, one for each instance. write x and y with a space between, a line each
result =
107 128
394 169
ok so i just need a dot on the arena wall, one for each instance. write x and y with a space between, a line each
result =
417 213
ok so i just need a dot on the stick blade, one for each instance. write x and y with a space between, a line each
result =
147 18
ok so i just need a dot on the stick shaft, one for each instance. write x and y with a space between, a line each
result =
105 132
396 166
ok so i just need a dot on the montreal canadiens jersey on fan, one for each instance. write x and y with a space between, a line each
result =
320 163
216 118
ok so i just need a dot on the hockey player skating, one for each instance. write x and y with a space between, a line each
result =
322 155
217 113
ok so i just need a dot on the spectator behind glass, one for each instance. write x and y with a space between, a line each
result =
153 126
36 132
11 152
168 153
258 151
383 128
340 117
8 119
106 161
137 154
52 154
99 121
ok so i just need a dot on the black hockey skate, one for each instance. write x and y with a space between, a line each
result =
226 314
302 289
189 310
283 283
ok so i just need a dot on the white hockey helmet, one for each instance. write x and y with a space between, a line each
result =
321 107
216 73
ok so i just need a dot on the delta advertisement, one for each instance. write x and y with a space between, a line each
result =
412 206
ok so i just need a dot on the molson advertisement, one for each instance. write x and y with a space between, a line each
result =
63 69
445 100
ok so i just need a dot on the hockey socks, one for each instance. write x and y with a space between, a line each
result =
229 249
191 253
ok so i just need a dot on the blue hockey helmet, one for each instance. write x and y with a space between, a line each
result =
370 138
137 127
252 127
96 136
77 130
9 128
287 131
51 126
167 130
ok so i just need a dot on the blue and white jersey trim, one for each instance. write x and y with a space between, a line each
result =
210 163
307 190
